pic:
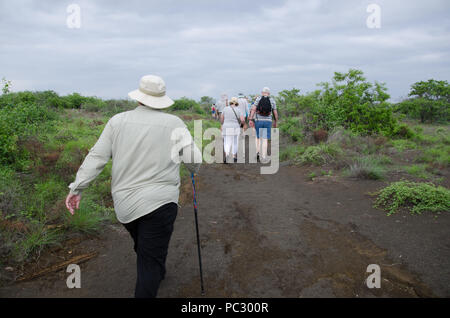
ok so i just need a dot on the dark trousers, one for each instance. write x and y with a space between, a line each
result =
151 234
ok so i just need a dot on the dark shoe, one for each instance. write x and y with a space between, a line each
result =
257 157
235 160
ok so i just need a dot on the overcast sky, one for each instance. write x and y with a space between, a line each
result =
206 47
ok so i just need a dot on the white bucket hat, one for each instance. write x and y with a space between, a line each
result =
152 92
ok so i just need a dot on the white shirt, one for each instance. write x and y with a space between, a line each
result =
243 104
141 143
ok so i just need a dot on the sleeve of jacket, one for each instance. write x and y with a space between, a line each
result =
95 161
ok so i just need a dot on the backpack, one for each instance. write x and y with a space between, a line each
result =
264 107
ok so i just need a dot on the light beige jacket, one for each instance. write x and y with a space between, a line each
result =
146 147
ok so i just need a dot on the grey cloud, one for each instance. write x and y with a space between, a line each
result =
205 47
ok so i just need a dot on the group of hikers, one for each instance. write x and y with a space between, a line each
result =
239 113
145 180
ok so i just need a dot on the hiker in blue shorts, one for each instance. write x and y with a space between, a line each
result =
261 113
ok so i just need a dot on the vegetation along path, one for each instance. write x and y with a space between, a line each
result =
282 235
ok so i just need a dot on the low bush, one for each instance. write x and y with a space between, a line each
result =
416 197
319 154
439 154
291 152
185 103
11 193
34 241
89 217
292 127
366 168
21 120
403 144
419 171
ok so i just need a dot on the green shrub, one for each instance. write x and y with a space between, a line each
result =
46 193
402 131
402 144
319 154
185 103
34 241
93 106
20 120
418 171
89 217
416 197
115 106
291 152
355 104
11 192
366 168
291 103
74 100
291 127
384 160
439 154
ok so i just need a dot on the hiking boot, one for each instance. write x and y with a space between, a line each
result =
257 157
235 160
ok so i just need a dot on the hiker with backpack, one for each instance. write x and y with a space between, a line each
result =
232 121
261 119
147 146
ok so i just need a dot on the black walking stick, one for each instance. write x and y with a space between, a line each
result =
198 237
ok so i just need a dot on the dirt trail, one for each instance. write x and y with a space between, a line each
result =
275 236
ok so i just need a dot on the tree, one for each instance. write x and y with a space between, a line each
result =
6 86
352 102
292 103
429 101
432 90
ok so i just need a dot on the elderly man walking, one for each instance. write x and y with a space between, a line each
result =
261 114
145 176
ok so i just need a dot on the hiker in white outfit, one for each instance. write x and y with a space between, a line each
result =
221 104
231 119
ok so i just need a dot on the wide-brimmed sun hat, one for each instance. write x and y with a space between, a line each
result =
234 100
152 92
